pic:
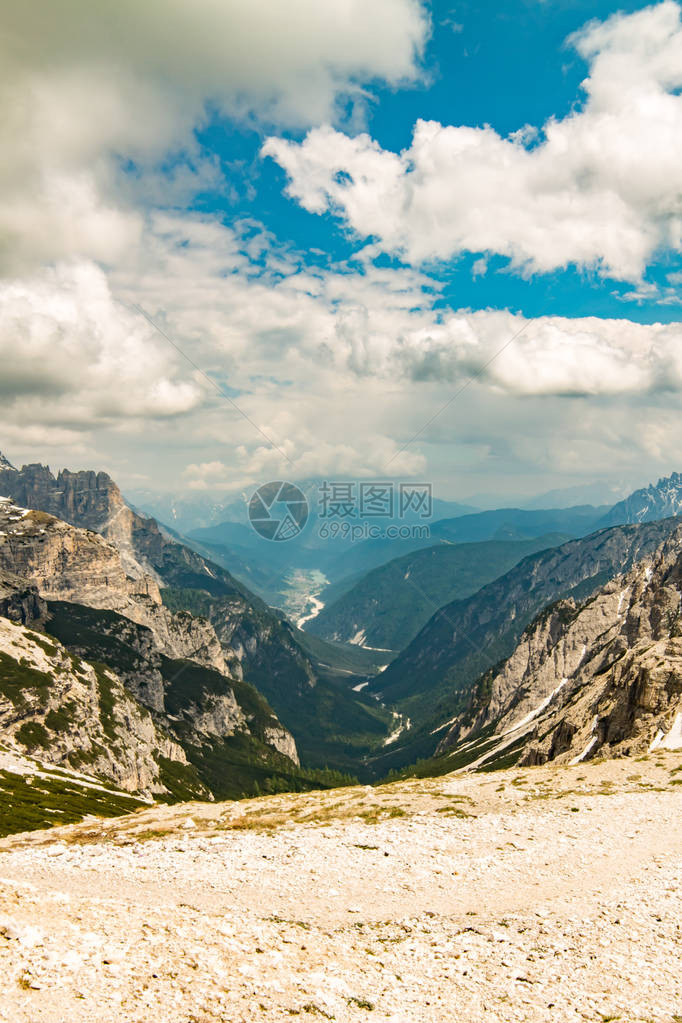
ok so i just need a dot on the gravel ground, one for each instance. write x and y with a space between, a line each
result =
536 894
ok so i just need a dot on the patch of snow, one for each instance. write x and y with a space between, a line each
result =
360 687
539 709
581 756
446 724
673 740
398 731
359 637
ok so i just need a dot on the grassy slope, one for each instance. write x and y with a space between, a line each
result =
51 796
238 765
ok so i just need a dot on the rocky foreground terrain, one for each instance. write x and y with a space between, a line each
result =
544 893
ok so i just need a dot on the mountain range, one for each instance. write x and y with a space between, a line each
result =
135 667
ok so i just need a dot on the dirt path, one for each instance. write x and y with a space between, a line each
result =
525 895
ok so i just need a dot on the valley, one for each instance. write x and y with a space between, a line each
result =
179 682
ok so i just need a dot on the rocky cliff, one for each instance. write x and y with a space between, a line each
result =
171 662
434 678
67 563
593 678
209 714
76 714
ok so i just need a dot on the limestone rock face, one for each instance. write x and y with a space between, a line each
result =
89 500
74 714
77 567
67 563
599 678
20 602
283 741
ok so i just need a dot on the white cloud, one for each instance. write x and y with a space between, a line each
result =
84 85
339 369
600 188
73 357
340 366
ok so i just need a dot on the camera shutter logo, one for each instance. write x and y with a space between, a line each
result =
278 510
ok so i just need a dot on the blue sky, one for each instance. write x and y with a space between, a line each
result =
504 65
250 240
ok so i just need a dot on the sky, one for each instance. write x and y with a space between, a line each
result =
245 240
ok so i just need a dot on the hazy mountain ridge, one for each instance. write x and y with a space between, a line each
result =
388 606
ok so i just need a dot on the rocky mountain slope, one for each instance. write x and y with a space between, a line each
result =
171 663
195 608
387 607
67 563
657 501
228 731
599 677
433 679
76 714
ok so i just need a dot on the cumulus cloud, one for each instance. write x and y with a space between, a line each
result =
74 357
86 86
340 365
339 369
259 325
599 188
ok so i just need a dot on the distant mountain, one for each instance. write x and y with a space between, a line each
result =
264 566
658 501
597 493
387 607
500 524
189 509
192 511
433 680
593 678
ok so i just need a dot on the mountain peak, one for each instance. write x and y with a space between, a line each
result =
5 463
657 501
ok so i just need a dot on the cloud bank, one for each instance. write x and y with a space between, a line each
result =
599 189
